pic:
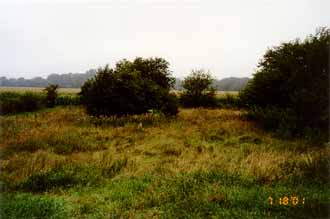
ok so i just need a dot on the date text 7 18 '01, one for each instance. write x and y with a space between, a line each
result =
286 200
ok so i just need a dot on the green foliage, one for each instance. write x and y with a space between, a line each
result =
67 100
133 87
170 105
230 101
292 85
274 118
51 94
198 90
17 102
11 102
24 206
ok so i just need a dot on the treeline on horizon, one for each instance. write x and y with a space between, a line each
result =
76 80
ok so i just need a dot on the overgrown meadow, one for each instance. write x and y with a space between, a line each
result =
204 163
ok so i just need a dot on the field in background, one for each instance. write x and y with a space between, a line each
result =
224 93
77 90
38 89
61 163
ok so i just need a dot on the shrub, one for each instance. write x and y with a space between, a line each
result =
11 102
51 94
291 86
15 102
198 90
131 88
170 105
273 118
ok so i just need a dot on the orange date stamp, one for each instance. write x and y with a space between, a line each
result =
286 200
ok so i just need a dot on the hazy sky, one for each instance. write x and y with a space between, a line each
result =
40 37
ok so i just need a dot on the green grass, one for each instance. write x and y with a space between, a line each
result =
206 163
24 206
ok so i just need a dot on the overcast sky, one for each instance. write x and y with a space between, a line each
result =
40 37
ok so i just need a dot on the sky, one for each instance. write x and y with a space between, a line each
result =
228 38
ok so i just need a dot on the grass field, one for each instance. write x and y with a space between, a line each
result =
61 163
38 89
77 90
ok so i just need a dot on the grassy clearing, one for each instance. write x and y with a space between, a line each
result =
203 164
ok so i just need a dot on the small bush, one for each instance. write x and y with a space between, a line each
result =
51 94
15 102
198 90
31 101
11 102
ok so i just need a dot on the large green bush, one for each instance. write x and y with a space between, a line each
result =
132 87
198 90
292 85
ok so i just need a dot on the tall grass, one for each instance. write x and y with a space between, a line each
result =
205 163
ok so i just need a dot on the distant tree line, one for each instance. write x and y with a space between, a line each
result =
225 84
69 80
76 80
230 84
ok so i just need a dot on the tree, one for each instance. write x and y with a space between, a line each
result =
198 90
292 82
133 87
51 94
